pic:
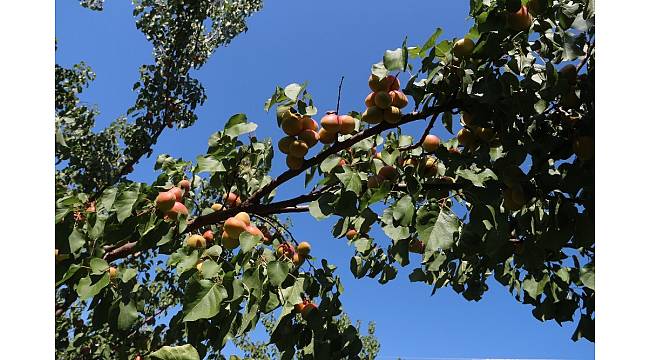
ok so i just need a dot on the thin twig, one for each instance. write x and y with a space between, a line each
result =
424 136
584 60
338 99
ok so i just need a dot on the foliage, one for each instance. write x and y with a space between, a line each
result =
516 203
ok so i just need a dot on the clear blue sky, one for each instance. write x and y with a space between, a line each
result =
296 41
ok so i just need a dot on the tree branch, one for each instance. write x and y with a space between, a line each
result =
424 136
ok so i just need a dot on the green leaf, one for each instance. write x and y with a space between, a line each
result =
86 289
187 262
379 70
292 91
77 240
477 178
396 232
403 210
128 274
248 241
214 251
588 276
394 59
127 316
238 125
447 121
185 352
278 271
60 214
350 180
430 42
98 266
291 296
202 300
436 229
125 201
208 164
210 269
68 274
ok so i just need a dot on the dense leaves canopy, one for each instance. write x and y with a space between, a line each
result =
511 196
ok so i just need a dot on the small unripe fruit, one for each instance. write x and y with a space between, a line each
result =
465 137
370 100
383 100
284 144
285 250
327 137
216 207
463 48
298 148
291 124
165 201
431 143
351 234
196 241
229 242
388 172
389 83
342 162
297 259
309 123
570 73
347 124
330 122
178 193
374 83
309 137
520 20
373 115
375 181
243 216
208 235
399 99
233 200
583 147
294 163
233 227
392 115
303 248
178 209
112 273
185 185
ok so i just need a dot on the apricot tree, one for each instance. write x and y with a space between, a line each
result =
509 196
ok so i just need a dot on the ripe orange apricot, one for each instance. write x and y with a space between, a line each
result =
389 83
347 124
370 100
233 199
233 227
216 207
375 181
465 137
165 201
327 137
351 234
309 137
330 122
243 216
112 273
176 210
184 185
294 163
178 193
373 115
431 143
298 148
253 230
388 172
520 20
291 124
285 250
463 48
208 235
304 248
309 307
392 115
374 82
308 123
383 100
429 167
398 99
196 241
297 259
284 144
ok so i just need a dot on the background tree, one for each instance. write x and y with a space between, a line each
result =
511 196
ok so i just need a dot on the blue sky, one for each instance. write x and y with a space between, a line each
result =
296 41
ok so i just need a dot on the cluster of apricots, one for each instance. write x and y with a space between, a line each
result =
385 101
471 134
296 255
333 124
302 134
514 196
170 202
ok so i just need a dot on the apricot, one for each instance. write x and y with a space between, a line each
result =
374 82
112 273
294 163
454 151
520 20
178 193
208 235
216 207
373 115
409 162
383 100
399 100
330 122
429 166
388 172
583 147
392 115
389 83
299 306
465 137
347 124
370 100
229 242
309 307
184 185
233 227
304 248
291 124
463 48
285 250
284 144
199 265
309 137
233 199
297 259
178 209
253 230
243 216
309 123
298 149
351 234
375 181
196 241
327 137
165 201
431 143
